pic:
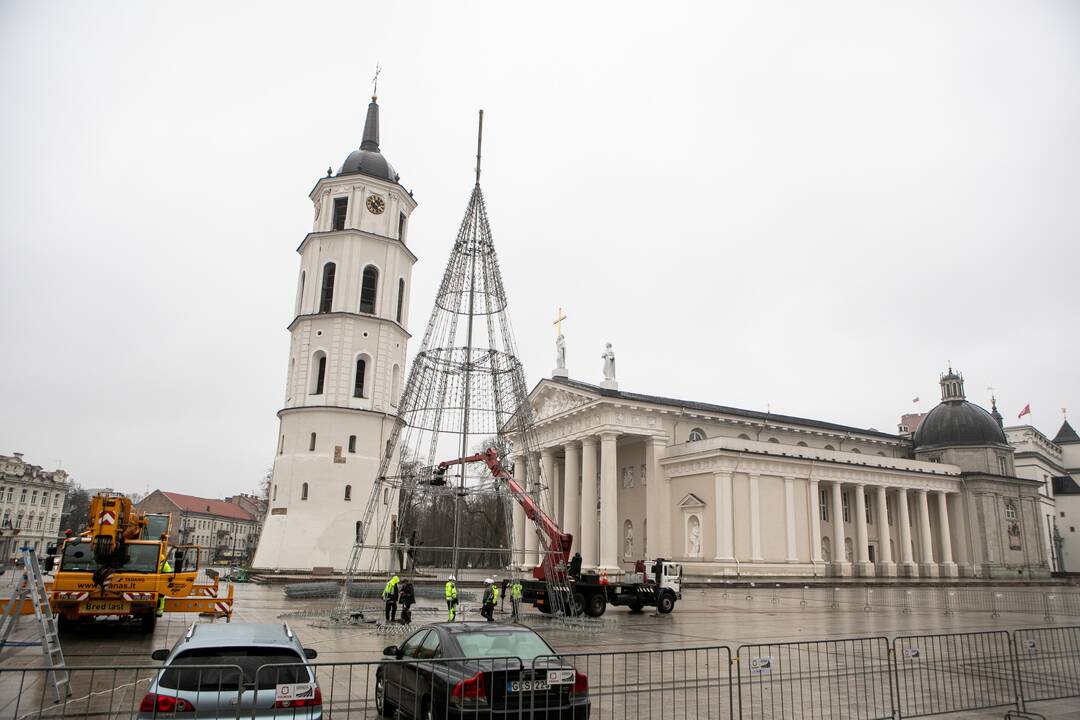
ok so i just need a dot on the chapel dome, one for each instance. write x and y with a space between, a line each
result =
368 160
955 421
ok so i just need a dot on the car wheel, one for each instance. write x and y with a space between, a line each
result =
578 603
147 623
597 604
384 707
426 710
64 625
636 607
665 604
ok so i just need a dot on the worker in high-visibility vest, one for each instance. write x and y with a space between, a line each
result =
491 598
390 597
515 600
451 599
165 567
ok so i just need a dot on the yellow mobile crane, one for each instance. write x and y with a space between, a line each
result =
122 565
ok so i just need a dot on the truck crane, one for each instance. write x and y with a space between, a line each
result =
656 583
121 566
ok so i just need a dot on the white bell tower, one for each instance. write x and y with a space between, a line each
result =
346 363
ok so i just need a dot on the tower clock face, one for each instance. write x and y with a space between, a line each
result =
375 204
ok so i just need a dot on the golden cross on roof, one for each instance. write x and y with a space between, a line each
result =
559 317
375 82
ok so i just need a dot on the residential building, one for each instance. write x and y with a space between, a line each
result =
31 499
224 531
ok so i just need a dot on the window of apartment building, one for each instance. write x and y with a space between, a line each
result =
56 500
847 510
33 497
22 498
823 504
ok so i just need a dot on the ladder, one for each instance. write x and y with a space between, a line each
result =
31 587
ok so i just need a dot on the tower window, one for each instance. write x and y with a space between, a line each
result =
400 299
326 297
401 227
696 434
368 286
1004 464
352 443
348 493
341 209
395 385
303 488
361 373
275 493
281 446
359 530
311 445
319 361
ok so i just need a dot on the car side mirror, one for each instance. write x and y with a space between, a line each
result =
391 651
311 653
160 655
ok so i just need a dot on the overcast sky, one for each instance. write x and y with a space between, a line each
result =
813 206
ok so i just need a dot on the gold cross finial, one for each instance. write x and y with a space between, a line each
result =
375 82
559 317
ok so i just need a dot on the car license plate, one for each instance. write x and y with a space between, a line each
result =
105 607
526 685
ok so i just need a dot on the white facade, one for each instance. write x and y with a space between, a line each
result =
336 419
1068 497
1038 458
31 501
731 492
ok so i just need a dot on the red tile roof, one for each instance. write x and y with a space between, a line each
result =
190 503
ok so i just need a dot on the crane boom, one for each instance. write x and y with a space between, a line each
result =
560 541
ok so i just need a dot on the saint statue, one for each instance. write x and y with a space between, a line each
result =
609 364
694 536
628 540
560 352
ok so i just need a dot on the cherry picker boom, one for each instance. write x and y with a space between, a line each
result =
554 590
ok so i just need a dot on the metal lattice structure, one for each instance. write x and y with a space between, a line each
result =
466 388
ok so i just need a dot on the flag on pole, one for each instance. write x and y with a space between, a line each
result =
1025 411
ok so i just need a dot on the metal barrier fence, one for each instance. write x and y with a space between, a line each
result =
849 679
844 679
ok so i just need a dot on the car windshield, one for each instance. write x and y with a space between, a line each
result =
188 670
495 644
79 557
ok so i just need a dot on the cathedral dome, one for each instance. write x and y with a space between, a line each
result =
368 160
955 421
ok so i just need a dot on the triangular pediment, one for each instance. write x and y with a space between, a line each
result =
550 399
691 501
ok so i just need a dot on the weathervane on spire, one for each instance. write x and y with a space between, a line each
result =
375 83
479 142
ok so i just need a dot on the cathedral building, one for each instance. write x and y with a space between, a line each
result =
732 492
346 362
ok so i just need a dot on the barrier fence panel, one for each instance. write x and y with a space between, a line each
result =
842 679
948 673
1048 663
685 683
119 692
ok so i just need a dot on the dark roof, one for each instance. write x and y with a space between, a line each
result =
958 422
208 506
722 409
368 160
1065 485
1066 435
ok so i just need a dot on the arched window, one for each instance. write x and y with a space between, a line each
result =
361 376
348 492
352 443
696 434
400 299
829 447
369 284
300 294
774 440
744 436
395 385
318 377
857 451
326 298
881 453
359 530
801 444
303 491
826 549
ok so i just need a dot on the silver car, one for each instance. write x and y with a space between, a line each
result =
234 670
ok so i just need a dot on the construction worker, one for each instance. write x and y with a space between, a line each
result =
491 595
451 599
408 597
165 567
503 587
515 600
575 566
390 597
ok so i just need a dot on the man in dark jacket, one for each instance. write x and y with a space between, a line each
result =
407 598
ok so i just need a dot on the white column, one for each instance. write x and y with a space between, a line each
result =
863 566
841 566
947 567
532 542
546 490
903 519
885 564
518 461
657 502
755 519
958 525
589 555
571 500
814 509
789 506
725 525
557 492
927 566
609 503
